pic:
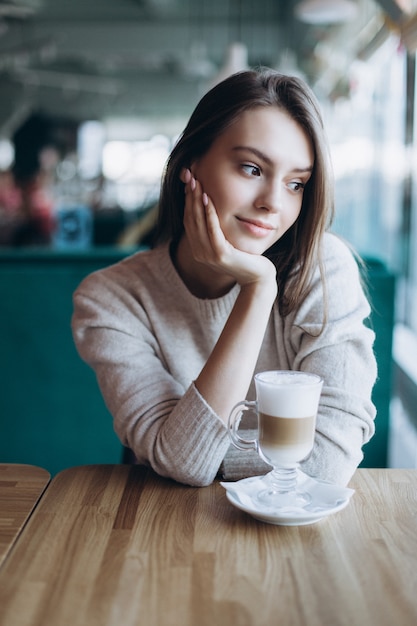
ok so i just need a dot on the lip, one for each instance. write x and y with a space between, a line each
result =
256 227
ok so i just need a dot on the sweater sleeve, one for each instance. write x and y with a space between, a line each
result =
168 427
341 352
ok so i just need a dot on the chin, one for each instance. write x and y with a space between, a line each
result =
251 247
254 249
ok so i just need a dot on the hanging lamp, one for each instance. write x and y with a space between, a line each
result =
326 11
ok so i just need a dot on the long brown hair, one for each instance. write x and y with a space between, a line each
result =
298 250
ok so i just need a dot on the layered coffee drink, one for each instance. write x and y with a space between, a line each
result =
286 406
287 409
285 440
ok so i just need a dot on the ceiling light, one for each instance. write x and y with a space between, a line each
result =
326 11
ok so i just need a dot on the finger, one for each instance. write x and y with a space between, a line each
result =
185 175
194 211
201 219
215 233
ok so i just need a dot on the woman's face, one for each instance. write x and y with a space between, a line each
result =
255 173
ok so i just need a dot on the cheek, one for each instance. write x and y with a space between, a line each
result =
295 210
221 191
228 203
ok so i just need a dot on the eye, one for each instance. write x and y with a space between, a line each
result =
297 186
252 170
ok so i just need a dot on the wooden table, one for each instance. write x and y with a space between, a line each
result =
21 486
117 545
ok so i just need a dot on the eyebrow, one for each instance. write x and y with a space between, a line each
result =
267 160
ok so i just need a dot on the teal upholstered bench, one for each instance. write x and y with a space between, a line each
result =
51 410
381 292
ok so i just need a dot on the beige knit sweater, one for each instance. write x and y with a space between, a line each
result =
147 338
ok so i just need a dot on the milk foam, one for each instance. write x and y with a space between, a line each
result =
287 394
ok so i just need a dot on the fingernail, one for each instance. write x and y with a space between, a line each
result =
193 184
187 175
205 199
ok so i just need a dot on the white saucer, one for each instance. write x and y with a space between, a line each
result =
326 500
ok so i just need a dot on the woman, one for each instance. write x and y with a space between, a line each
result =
244 279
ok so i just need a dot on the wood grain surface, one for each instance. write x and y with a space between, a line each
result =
21 486
118 545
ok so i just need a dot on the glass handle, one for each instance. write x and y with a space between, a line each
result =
234 422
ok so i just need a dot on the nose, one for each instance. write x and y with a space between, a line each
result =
270 196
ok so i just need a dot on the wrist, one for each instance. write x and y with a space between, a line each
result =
264 287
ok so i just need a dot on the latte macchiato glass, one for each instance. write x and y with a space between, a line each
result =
286 406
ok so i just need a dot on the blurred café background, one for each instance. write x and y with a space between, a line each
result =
94 94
